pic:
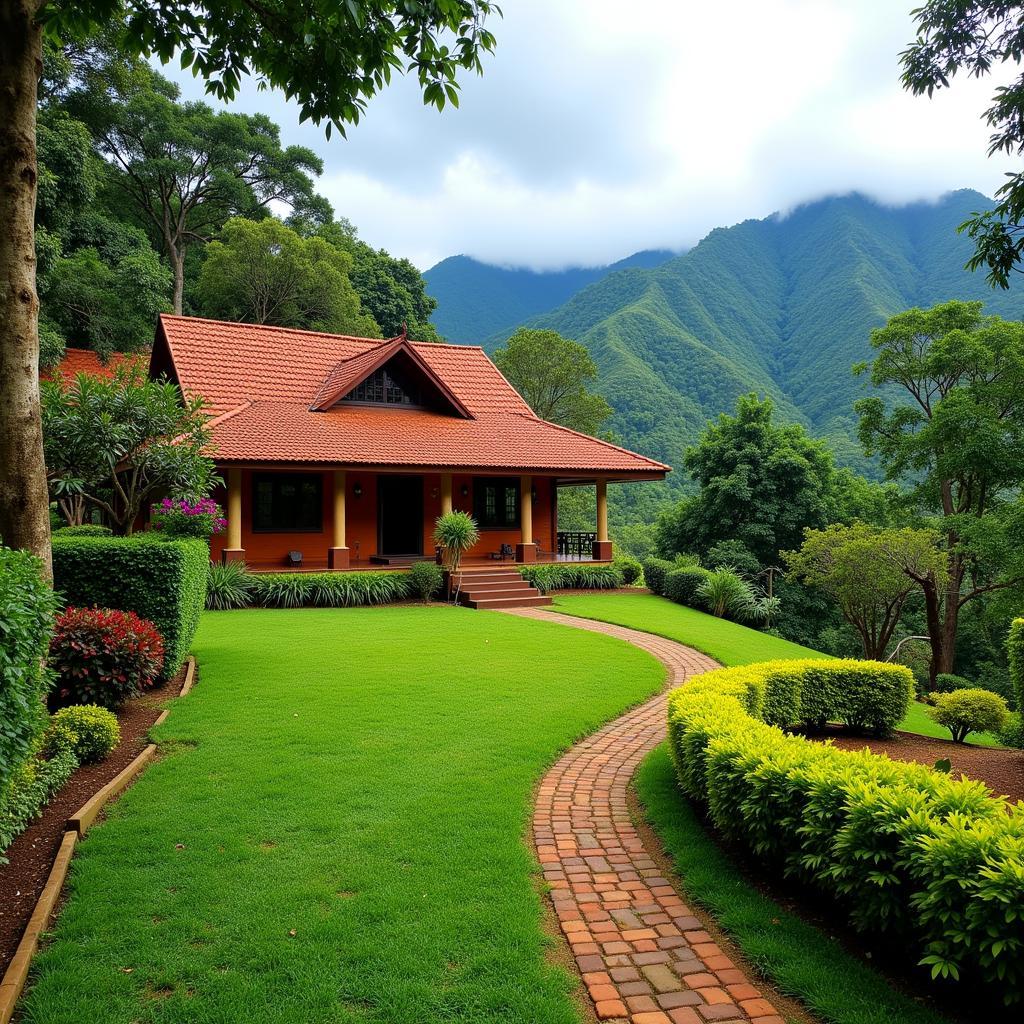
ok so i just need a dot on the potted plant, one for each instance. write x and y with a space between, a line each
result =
454 533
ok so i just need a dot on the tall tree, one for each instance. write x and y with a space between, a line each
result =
869 572
185 168
974 37
330 59
956 441
265 273
760 484
552 374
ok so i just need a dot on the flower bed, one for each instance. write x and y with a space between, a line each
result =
933 861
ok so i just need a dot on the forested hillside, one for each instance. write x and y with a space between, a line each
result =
783 306
476 300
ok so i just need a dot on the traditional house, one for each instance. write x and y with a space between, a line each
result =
348 449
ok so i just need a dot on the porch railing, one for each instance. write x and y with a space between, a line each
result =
576 543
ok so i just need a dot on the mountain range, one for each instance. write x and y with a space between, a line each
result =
783 306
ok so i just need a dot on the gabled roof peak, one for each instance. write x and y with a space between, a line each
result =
348 373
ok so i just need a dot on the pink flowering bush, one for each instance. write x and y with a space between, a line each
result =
178 517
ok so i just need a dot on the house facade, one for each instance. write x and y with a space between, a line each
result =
346 450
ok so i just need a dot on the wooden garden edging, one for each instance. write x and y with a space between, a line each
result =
78 824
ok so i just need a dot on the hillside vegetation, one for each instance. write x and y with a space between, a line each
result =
783 306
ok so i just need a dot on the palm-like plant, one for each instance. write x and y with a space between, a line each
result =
455 533
726 593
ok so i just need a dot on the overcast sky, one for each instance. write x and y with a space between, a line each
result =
592 135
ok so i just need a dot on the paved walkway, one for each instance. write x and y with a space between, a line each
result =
644 957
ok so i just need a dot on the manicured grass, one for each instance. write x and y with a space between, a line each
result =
919 721
800 959
726 642
338 828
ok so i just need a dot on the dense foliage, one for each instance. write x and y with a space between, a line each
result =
554 374
906 851
227 586
112 444
26 620
103 656
88 731
179 517
426 579
969 710
28 791
572 576
163 581
328 589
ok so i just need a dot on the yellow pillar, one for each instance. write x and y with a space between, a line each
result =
446 493
526 551
602 509
234 552
602 550
337 554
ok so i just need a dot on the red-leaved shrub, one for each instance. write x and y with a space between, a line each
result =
103 656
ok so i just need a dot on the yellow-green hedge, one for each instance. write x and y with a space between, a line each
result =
909 851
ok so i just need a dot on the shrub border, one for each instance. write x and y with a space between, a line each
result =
13 982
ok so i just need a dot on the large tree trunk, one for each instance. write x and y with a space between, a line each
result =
24 503
178 263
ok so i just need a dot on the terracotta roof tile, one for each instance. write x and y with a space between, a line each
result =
261 381
82 360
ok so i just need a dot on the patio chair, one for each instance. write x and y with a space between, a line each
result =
294 559
505 551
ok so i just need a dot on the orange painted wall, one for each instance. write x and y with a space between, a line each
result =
361 520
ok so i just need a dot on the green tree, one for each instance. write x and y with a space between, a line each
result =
956 441
185 168
760 484
263 272
330 58
974 37
552 374
115 444
869 572
391 290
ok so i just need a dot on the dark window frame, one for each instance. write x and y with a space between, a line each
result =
505 486
277 479
385 388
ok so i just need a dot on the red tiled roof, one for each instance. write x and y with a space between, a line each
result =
261 381
82 360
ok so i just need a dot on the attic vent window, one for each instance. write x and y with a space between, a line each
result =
381 388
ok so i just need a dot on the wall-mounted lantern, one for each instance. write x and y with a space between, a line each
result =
357 490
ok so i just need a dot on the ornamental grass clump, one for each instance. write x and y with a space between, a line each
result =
179 517
455 533
103 656
229 586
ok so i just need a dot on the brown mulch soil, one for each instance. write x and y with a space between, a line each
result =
1001 769
31 855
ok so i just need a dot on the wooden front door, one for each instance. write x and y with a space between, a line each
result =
400 515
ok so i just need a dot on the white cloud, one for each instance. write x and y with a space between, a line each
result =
592 135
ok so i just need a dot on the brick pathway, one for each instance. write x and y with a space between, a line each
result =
645 959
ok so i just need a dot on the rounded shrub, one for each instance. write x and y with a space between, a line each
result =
630 568
681 585
103 656
947 682
655 571
970 710
84 530
426 579
229 586
87 730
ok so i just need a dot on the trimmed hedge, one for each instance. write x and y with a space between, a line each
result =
655 571
682 585
328 589
160 580
933 861
630 568
573 576
85 530
27 606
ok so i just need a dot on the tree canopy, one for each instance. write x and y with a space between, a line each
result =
974 37
760 484
266 273
954 438
552 374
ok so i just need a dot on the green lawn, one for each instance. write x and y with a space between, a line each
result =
802 960
726 642
338 828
